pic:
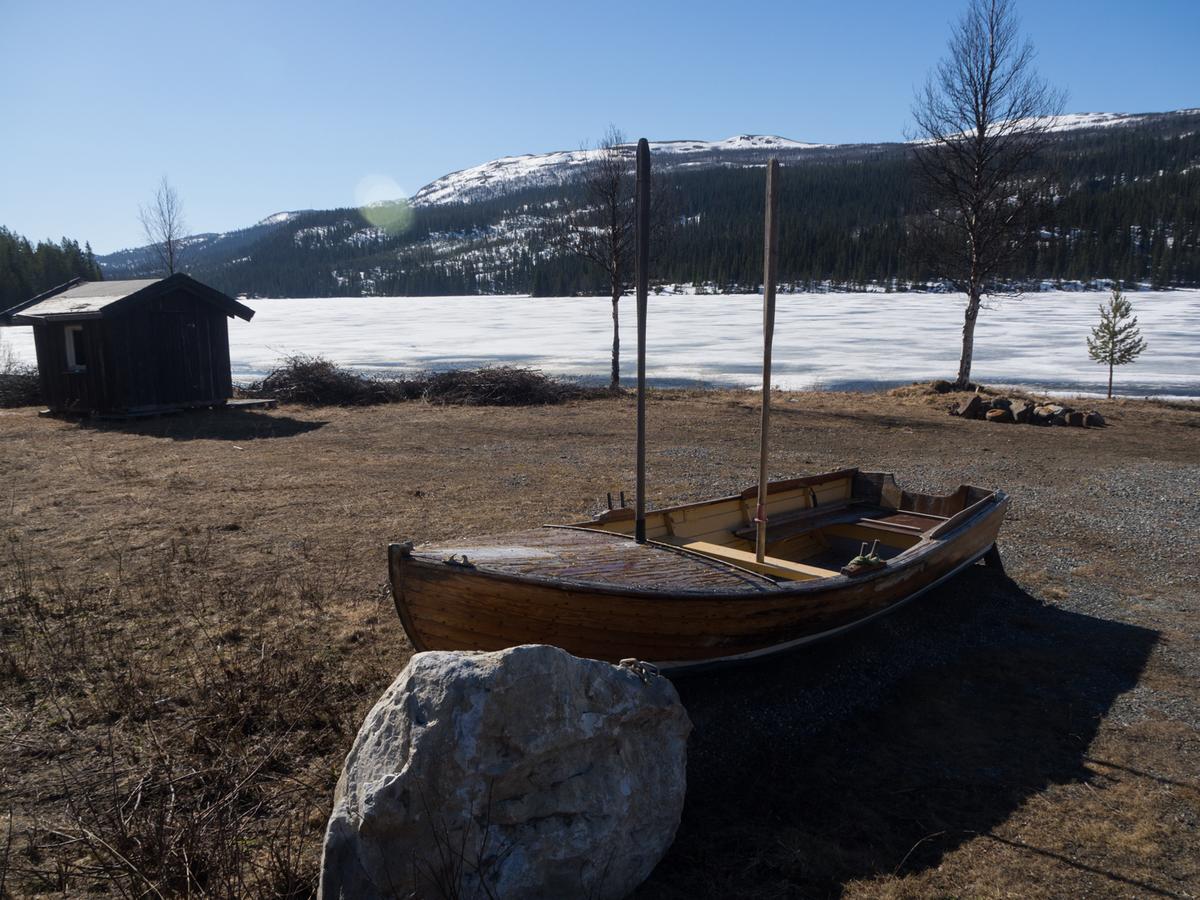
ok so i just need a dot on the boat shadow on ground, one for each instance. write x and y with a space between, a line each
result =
208 425
878 753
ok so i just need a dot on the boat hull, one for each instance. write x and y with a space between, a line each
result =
449 606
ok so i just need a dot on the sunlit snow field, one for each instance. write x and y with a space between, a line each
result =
831 341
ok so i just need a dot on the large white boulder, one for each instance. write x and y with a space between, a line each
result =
522 773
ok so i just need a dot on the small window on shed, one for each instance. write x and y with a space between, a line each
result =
76 348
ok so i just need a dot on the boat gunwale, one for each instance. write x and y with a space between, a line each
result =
695 667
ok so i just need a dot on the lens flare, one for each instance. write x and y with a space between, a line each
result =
383 203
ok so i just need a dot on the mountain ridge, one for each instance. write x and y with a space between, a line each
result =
488 228
443 189
744 141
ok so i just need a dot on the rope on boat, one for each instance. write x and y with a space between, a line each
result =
643 670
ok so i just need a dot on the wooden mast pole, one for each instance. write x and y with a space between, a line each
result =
642 272
770 264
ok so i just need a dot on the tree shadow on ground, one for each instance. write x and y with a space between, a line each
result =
209 425
878 753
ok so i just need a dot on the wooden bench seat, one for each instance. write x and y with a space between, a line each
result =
778 568
906 519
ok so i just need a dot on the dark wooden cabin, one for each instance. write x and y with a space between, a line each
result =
129 347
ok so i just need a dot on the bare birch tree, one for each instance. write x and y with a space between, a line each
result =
601 230
981 118
164 225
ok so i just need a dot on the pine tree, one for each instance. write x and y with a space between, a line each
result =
1116 340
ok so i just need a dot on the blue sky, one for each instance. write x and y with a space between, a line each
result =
255 107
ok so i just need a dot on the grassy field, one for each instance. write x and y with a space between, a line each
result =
195 617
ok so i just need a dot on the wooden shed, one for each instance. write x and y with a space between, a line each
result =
130 347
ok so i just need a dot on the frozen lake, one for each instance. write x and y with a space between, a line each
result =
832 341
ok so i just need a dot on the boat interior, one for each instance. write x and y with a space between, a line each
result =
815 525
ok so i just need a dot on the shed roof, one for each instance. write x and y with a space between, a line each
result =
79 299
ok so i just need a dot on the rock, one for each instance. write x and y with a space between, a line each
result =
999 415
971 409
1075 419
1052 414
941 386
1023 412
1044 415
1001 403
521 773
1094 420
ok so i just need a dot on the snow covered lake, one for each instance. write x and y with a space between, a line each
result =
831 341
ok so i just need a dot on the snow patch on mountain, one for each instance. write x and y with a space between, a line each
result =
558 167
278 218
1073 121
513 173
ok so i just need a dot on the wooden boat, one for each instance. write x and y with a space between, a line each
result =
708 583
694 593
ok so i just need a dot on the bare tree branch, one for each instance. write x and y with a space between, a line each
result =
164 225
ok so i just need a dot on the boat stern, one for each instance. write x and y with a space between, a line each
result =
399 558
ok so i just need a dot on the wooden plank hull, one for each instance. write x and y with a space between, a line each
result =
690 617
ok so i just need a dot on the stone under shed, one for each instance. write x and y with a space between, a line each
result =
130 348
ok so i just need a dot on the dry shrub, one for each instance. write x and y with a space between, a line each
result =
168 828
20 386
316 381
497 386
935 388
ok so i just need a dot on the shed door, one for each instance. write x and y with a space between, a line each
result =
182 357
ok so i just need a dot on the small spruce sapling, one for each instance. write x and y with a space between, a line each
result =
1116 340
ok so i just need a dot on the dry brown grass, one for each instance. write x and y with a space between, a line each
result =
195 618
171 722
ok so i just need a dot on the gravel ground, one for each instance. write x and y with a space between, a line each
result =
1028 734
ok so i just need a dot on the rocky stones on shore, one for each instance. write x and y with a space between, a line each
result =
971 408
1003 410
525 772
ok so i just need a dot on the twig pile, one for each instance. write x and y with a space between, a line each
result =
499 386
316 381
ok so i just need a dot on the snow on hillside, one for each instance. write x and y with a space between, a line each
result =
741 142
1085 121
511 173
1075 121
544 169
278 218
